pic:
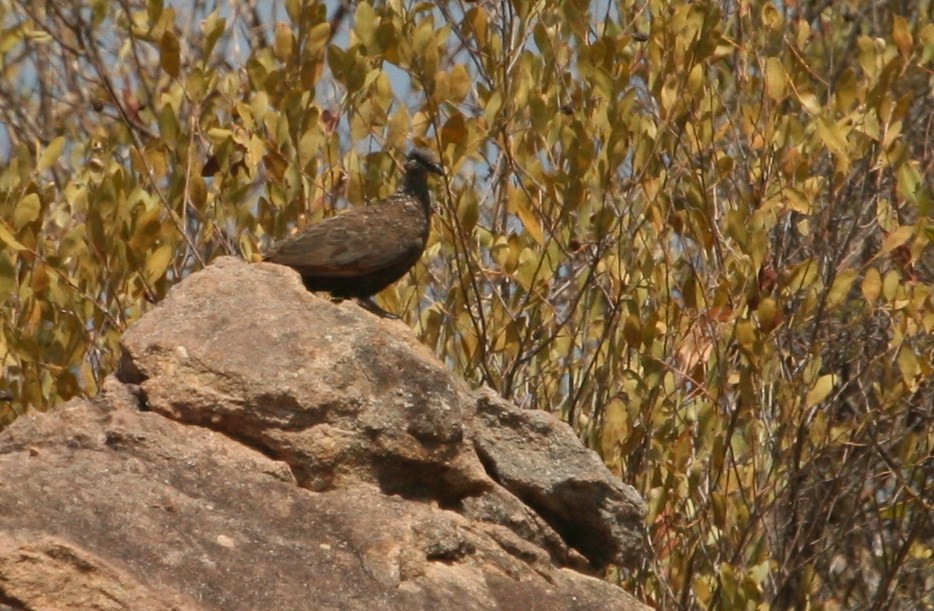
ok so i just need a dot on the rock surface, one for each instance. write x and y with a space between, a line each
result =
264 448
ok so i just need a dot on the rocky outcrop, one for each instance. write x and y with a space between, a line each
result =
265 448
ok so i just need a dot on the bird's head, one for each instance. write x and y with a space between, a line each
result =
421 161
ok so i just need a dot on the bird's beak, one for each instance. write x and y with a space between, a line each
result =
435 168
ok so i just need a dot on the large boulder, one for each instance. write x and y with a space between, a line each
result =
262 447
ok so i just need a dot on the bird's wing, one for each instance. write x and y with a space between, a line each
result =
350 244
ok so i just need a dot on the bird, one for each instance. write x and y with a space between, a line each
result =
360 252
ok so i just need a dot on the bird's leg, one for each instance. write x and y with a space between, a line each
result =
369 304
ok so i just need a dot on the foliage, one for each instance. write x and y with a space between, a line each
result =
698 231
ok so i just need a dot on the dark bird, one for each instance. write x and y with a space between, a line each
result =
359 253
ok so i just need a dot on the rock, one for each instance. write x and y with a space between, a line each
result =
540 460
265 448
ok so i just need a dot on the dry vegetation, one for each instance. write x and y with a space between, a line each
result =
698 231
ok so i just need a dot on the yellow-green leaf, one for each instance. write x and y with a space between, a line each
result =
769 315
318 37
820 391
158 262
6 236
365 22
908 365
910 182
219 135
50 154
197 191
213 28
846 90
397 128
493 104
154 8
27 210
146 230
632 331
809 101
841 287
833 137
283 43
896 239
775 79
170 57
797 200
746 335
519 204
458 83
771 18
872 285
890 284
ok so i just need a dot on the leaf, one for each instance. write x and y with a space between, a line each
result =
365 22
493 104
338 62
308 145
38 36
154 8
156 160
895 239
771 18
146 230
890 284
50 154
459 82
617 425
468 212
872 285
833 137
910 182
695 80
476 25
9 39
775 79
499 252
670 94
632 331
318 37
901 34
158 262
6 236
397 128
841 287
846 90
168 125
746 335
797 200
769 314
760 572
454 131
283 43
422 37
809 102
821 389
197 191
219 135
170 54
518 203
27 210
276 164
908 365
213 28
